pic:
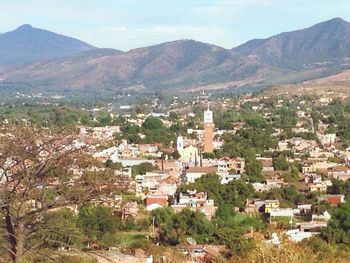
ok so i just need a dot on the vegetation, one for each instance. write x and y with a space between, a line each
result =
39 165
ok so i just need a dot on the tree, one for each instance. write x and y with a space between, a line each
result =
42 170
280 163
59 228
153 123
97 221
115 166
234 240
292 175
338 229
142 168
253 169
104 119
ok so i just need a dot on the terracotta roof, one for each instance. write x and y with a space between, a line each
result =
339 168
201 169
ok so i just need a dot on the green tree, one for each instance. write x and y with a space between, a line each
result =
280 163
104 119
153 123
338 229
142 168
96 221
115 166
234 240
292 175
253 170
59 228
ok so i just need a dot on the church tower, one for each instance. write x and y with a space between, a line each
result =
208 131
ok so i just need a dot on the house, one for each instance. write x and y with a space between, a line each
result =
197 202
267 164
253 206
156 199
275 183
234 165
260 187
193 173
129 209
318 167
340 172
282 146
311 226
149 180
318 187
225 173
305 209
283 212
148 148
334 200
271 204
156 183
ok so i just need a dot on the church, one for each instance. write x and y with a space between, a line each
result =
191 154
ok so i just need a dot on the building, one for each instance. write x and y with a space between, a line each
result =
334 200
193 173
225 173
254 206
197 202
208 131
189 154
271 204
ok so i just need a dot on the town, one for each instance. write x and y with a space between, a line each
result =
199 179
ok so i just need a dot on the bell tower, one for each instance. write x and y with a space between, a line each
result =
208 131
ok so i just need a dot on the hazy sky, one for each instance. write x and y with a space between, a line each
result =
126 24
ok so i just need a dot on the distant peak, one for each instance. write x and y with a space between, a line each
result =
337 20
25 27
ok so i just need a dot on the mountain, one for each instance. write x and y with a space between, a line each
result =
174 63
325 43
188 65
27 44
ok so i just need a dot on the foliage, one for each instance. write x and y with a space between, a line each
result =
338 229
234 193
142 168
115 166
280 163
38 165
153 123
253 170
96 221
60 229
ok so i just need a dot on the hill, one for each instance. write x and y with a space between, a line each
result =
187 65
327 43
27 44
178 63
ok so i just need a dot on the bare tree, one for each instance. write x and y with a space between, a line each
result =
42 170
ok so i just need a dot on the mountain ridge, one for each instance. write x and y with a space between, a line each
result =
289 57
28 44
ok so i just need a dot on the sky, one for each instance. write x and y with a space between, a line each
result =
128 24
